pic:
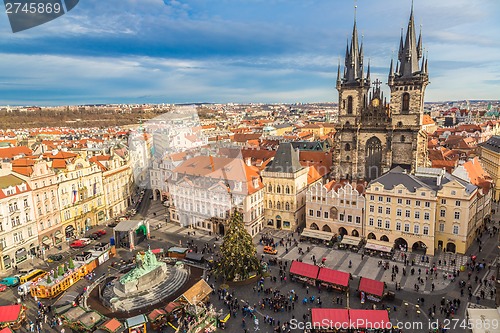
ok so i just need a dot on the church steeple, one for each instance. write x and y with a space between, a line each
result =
354 57
410 52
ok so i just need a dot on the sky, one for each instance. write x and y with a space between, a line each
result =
269 51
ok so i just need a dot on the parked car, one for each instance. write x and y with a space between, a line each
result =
3 287
10 281
112 224
77 244
54 257
94 236
100 232
87 241
270 250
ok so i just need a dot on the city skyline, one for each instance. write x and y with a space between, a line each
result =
241 51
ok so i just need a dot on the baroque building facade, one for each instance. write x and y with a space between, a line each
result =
373 136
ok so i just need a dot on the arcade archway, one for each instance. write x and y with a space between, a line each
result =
451 247
342 231
371 235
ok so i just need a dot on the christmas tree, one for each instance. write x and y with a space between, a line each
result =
238 253
71 264
60 271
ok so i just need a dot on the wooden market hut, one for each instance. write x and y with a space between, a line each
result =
198 293
371 290
334 279
304 272
12 316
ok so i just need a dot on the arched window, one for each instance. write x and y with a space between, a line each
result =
347 158
269 188
278 189
270 204
287 189
278 205
406 103
287 206
347 147
349 105
400 124
402 138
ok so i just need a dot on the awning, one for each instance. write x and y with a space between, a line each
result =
303 269
46 241
369 318
483 316
372 244
323 235
10 313
337 318
69 228
372 287
6 260
351 240
58 234
334 277
136 321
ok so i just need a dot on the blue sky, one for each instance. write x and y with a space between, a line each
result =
181 51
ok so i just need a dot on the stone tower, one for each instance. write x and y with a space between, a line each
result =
373 136
407 84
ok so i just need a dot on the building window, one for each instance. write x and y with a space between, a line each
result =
381 199
427 204
442 213
399 212
457 203
402 138
379 223
441 227
349 218
427 216
318 213
406 103
358 219
387 224
443 201
341 217
370 221
455 229
287 206
417 214
271 205
347 147
388 199
457 215
287 189
400 201
417 203
349 105
311 212
398 226
387 210
325 215
407 227
269 188
426 230
408 202
372 209
372 197
416 229
407 213
278 205
453 192
278 189
379 209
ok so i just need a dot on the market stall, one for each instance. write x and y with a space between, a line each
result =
112 325
136 324
12 316
303 272
316 236
334 279
177 252
80 320
379 248
157 318
371 290
329 320
370 321
350 243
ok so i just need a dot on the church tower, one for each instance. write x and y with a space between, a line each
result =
353 87
407 83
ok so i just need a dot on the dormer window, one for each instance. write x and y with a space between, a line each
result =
255 182
237 186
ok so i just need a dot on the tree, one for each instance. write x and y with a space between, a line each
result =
65 267
238 253
71 264
49 280
60 272
55 274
